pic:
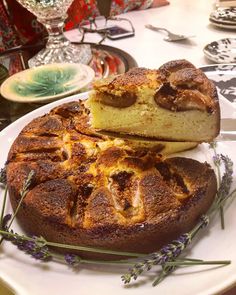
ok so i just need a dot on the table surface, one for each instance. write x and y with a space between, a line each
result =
181 16
150 50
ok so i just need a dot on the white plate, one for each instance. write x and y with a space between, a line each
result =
223 25
47 82
30 277
221 51
224 17
224 77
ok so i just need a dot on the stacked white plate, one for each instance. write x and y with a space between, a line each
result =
224 17
221 51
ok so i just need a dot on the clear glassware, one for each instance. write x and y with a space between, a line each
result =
52 14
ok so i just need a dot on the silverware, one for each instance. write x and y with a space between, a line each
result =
171 37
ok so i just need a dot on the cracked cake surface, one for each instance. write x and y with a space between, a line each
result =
95 190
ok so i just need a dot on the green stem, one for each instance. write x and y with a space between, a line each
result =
196 229
3 207
85 261
3 210
221 202
95 250
79 248
222 219
179 263
165 272
23 194
218 171
189 259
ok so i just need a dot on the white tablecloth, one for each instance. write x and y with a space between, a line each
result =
181 16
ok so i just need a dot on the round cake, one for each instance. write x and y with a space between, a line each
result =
95 190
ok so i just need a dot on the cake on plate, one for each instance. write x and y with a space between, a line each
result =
177 102
95 190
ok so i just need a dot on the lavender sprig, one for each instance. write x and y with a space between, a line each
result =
34 246
23 193
217 162
72 259
166 270
3 176
227 178
5 232
225 185
224 182
168 253
3 208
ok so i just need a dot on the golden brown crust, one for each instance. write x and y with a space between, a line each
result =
190 87
174 66
87 190
178 86
129 81
121 91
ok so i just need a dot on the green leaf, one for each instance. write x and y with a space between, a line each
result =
47 82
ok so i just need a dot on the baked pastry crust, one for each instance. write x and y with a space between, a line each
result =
89 189
176 102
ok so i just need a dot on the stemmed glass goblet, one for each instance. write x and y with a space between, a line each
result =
52 14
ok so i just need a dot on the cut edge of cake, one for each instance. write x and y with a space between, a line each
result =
175 103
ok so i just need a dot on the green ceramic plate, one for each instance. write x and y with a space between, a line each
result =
47 82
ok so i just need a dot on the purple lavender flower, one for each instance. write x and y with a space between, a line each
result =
167 253
217 159
5 221
28 182
29 245
175 248
204 221
42 255
227 178
3 176
72 259
34 246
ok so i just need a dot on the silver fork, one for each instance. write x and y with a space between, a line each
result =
171 37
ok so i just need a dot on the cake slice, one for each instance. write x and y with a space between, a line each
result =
177 102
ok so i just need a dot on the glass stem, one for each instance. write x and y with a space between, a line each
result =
56 37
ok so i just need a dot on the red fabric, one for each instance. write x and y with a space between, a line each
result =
80 10
25 22
27 29
7 31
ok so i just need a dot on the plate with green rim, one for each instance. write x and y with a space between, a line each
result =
47 82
